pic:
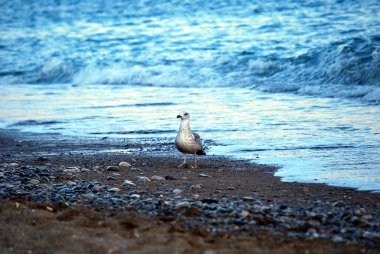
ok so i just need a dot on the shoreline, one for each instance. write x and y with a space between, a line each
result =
222 206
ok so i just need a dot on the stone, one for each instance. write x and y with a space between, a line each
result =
312 233
114 189
125 165
142 179
13 164
98 188
182 205
196 186
42 158
112 168
157 178
88 196
71 183
337 239
177 191
169 178
1 174
128 183
244 213
135 195
34 181
203 175
71 170
210 201
208 252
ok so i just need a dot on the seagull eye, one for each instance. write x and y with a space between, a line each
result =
186 114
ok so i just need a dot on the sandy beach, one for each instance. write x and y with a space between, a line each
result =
67 195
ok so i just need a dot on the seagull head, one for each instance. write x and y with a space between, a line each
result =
184 115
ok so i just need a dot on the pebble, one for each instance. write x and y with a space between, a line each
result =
124 165
182 205
13 164
203 175
196 186
249 198
157 178
42 158
128 182
98 188
71 170
337 239
336 221
210 201
112 168
177 191
114 189
170 178
88 196
244 213
142 179
312 233
34 181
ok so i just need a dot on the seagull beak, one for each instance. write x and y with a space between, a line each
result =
178 116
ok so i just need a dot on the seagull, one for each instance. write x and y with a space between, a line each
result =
187 141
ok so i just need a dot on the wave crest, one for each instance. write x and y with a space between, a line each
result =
349 68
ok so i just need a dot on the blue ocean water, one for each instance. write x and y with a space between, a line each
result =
291 83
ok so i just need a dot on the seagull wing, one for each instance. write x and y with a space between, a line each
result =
197 138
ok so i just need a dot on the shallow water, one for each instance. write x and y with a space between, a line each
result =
313 139
287 83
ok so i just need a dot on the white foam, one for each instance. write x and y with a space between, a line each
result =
159 75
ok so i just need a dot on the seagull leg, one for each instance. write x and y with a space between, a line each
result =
195 161
183 165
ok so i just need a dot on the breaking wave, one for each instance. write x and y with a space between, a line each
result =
348 69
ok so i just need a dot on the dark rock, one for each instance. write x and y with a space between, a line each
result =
210 201
170 178
42 158
112 168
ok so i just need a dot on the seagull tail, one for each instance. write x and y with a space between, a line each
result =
200 152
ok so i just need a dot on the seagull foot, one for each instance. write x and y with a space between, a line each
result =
185 165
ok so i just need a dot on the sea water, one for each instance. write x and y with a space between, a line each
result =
290 83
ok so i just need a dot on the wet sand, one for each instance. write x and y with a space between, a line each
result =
59 195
